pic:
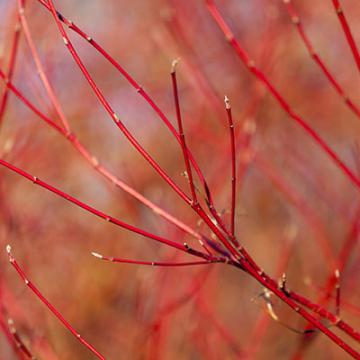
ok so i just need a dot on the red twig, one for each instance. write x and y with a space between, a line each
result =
333 281
337 291
295 18
98 213
110 110
39 67
233 166
94 162
292 298
139 89
51 307
196 206
250 64
19 342
11 66
325 314
130 137
60 18
244 262
181 132
154 263
347 32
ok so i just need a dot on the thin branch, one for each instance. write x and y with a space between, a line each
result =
51 307
337 293
259 75
292 298
347 32
154 263
11 66
139 89
100 214
295 18
325 314
40 68
181 131
195 206
94 162
19 342
233 165
105 104
60 18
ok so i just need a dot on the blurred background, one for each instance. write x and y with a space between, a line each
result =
295 210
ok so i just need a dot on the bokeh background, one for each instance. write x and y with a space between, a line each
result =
291 200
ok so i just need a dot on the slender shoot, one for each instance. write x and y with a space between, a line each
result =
347 32
181 131
337 292
233 165
51 307
154 263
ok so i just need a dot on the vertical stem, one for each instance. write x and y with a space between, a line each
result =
337 295
11 67
40 68
181 132
233 165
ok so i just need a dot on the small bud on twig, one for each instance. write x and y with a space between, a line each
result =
97 255
174 64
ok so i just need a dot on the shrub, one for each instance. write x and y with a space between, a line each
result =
231 222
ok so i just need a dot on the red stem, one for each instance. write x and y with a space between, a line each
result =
111 112
19 342
40 68
290 297
93 161
244 263
244 57
130 137
60 18
325 314
154 263
181 132
100 214
337 290
347 32
233 166
295 18
11 66
197 208
139 89
51 307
